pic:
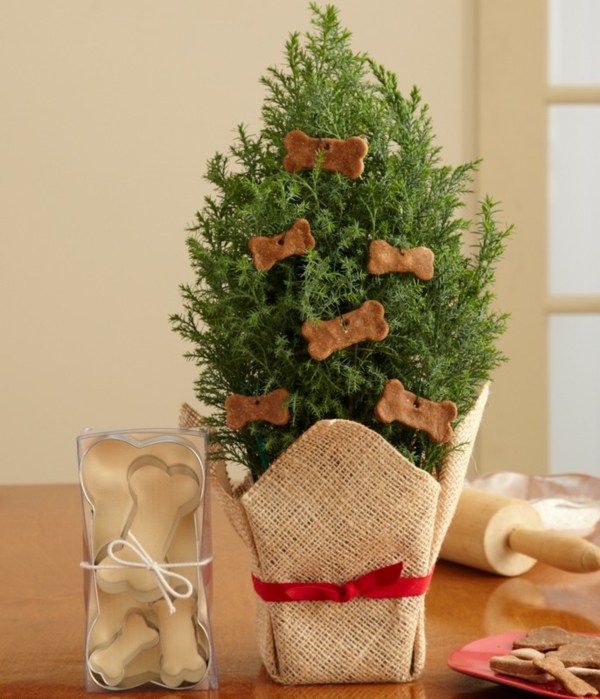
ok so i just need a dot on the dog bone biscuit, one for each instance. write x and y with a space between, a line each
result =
327 336
527 653
523 668
573 684
582 651
244 409
266 251
343 156
544 638
385 258
396 403
110 661
551 651
588 674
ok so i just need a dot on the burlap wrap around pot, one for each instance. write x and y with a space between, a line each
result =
339 503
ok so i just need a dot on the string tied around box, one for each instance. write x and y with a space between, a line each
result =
161 571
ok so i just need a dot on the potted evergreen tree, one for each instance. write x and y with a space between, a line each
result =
339 218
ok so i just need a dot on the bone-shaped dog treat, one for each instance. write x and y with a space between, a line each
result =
544 638
582 651
396 403
244 409
385 258
110 662
520 666
329 336
573 684
180 659
266 251
162 496
345 157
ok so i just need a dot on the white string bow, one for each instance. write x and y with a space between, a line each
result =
161 571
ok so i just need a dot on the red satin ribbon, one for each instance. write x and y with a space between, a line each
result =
378 584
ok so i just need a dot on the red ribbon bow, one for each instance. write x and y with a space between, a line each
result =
378 584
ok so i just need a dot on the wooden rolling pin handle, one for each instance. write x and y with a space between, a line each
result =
562 551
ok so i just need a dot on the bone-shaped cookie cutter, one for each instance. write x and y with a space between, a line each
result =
398 404
266 251
269 408
192 645
162 496
105 459
106 488
112 610
181 660
343 156
328 336
110 661
385 258
145 667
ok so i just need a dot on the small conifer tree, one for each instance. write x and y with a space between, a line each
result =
245 324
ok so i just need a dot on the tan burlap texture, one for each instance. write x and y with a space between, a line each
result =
339 503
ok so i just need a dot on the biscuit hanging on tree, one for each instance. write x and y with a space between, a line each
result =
398 404
266 251
270 408
328 336
385 258
343 156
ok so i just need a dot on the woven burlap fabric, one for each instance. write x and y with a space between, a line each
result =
452 473
340 502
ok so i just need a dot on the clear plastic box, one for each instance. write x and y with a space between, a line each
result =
147 559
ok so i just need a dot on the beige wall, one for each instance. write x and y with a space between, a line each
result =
109 113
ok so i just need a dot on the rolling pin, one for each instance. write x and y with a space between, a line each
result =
506 536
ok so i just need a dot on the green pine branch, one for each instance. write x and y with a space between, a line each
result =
243 325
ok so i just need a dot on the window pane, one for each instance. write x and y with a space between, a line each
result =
573 46
574 199
574 390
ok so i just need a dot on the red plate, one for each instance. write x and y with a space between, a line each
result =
474 659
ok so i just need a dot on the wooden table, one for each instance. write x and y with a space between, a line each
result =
42 612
